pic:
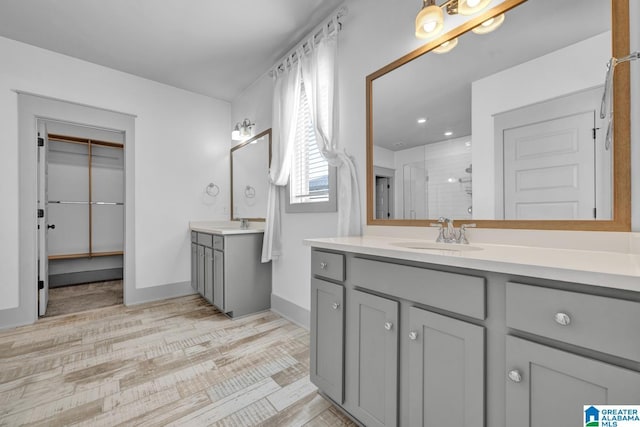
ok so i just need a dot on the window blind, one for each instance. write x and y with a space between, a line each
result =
309 180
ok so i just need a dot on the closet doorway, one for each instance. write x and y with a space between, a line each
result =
81 183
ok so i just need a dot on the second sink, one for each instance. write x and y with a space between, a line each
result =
437 246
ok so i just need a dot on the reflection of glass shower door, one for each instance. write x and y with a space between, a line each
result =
414 190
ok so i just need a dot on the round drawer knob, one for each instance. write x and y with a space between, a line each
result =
323 265
388 325
562 319
335 305
515 376
413 335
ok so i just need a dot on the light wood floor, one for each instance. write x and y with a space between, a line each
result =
77 298
176 362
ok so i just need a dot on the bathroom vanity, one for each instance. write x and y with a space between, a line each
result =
226 268
497 336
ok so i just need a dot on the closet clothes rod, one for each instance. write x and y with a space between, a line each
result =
61 202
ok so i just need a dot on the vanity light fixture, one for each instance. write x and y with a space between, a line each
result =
489 25
242 130
446 46
430 19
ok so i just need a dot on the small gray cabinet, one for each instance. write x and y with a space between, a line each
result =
227 271
373 396
446 371
546 386
327 338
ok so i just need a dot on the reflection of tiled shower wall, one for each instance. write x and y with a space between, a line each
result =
448 160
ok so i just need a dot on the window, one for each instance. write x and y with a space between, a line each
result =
312 181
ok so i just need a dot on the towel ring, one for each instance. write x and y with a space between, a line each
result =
212 189
249 192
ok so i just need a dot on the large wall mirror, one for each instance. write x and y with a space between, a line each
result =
250 161
504 130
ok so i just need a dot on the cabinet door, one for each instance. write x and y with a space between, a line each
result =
208 274
327 338
546 386
194 266
218 279
446 371
201 270
373 398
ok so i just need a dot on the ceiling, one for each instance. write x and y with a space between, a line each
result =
438 87
216 48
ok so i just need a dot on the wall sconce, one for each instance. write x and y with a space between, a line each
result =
242 130
430 19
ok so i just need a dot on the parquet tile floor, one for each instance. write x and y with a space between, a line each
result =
176 362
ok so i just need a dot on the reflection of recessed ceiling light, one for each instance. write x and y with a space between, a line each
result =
448 133
422 120
452 180
467 144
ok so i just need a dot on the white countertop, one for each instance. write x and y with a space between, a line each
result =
225 227
615 270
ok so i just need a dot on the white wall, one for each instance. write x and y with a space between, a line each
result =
181 144
374 34
565 71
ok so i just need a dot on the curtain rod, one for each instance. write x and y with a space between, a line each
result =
304 44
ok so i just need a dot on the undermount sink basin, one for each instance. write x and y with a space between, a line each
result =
454 247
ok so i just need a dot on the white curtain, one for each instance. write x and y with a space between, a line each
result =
317 67
320 75
286 98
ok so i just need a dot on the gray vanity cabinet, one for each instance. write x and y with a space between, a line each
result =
446 371
372 396
327 338
546 386
226 270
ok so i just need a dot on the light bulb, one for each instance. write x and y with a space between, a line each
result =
429 26
489 25
471 7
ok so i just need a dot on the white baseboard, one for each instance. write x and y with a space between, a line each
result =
290 311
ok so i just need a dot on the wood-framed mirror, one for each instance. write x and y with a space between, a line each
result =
250 162
504 130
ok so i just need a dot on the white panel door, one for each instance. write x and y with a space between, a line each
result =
549 169
43 225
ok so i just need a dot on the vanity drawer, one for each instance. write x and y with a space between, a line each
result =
218 242
205 239
194 236
453 292
327 265
603 324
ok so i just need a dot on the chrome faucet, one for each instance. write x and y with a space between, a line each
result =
244 223
449 234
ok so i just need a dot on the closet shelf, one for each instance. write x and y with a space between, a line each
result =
67 202
85 255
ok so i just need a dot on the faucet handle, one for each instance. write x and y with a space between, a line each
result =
462 238
440 226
